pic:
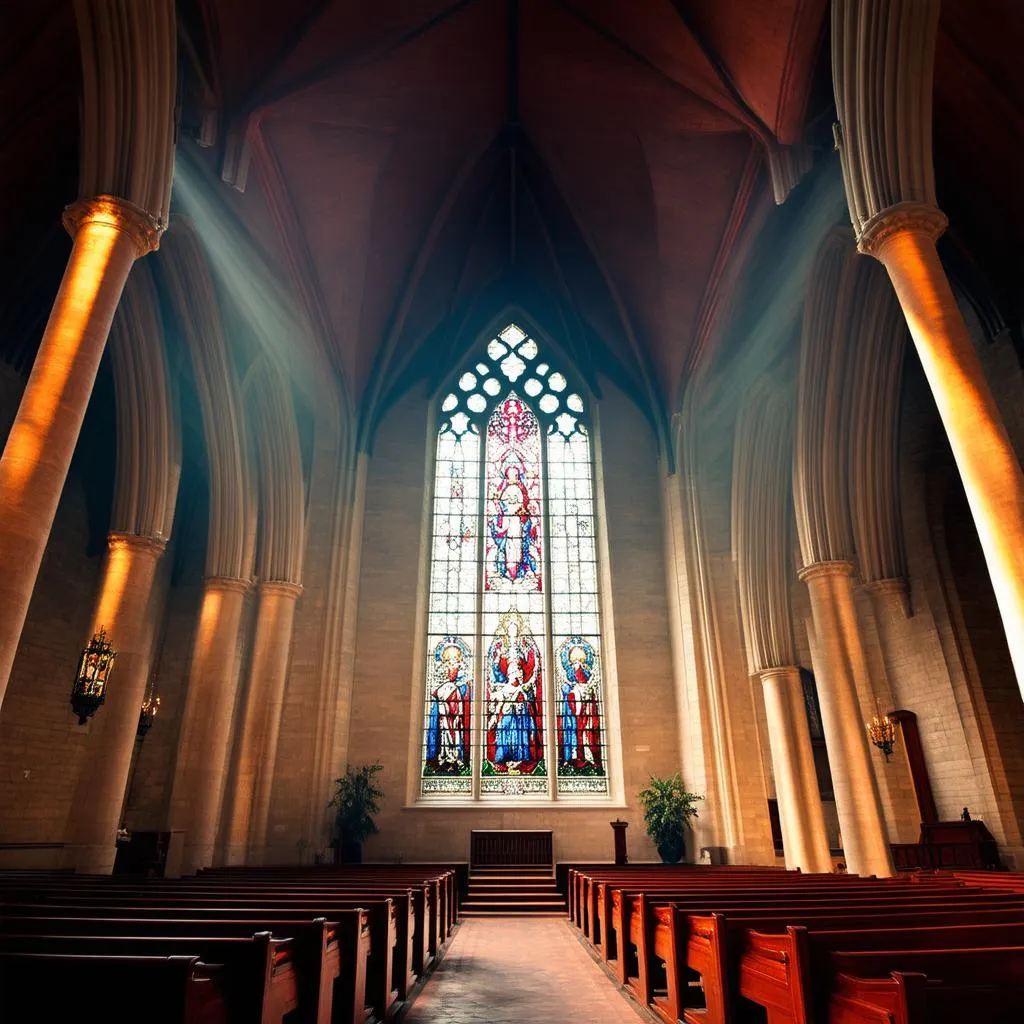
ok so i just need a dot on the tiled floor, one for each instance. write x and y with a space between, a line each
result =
519 971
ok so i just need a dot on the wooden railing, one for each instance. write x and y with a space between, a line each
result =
495 849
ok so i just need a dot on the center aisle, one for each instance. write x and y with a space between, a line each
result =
519 970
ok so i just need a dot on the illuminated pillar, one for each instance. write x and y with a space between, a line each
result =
109 235
841 660
198 789
123 610
796 783
903 239
261 723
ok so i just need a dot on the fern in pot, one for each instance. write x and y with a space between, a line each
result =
355 803
668 808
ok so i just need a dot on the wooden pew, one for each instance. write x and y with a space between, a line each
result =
595 889
330 958
173 990
418 937
711 945
928 987
381 993
791 974
646 946
580 881
618 921
443 882
260 980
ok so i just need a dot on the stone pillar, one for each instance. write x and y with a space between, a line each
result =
206 724
796 783
123 610
261 723
109 235
834 612
903 239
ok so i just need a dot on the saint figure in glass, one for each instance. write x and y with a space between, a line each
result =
515 725
448 723
513 483
579 722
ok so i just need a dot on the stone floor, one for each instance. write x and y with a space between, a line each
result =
519 971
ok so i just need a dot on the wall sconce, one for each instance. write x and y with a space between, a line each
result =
150 707
90 687
882 733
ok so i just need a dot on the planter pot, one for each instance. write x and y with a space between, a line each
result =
672 848
350 853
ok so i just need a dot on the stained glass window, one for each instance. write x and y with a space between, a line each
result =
514 699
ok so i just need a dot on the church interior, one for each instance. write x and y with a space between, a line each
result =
507 418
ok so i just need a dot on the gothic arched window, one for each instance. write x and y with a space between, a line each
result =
514 695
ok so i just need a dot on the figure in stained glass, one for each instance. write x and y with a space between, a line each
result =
515 729
513 528
449 720
513 454
579 723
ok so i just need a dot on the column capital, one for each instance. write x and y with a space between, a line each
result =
279 588
136 542
816 570
143 229
890 591
231 584
921 218
790 672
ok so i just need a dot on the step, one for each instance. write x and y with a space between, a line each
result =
513 900
513 908
513 913
511 905
511 883
514 869
519 879
514 894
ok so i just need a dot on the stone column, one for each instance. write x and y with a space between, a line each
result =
123 610
796 782
109 235
841 661
903 239
261 722
206 724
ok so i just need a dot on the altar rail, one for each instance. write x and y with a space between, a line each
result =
518 848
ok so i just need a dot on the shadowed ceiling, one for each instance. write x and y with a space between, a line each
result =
413 167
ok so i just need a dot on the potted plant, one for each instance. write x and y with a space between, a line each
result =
355 803
668 808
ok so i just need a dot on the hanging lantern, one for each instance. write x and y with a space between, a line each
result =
90 688
882 733
150 707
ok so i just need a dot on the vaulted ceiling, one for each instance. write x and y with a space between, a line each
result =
411 168
591 162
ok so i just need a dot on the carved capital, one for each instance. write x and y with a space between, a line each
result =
889 593
818 570
227 583
136 543
921 218
131 220
280 588
784 673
